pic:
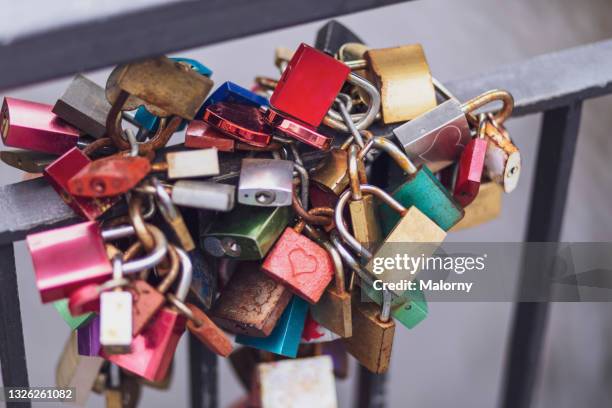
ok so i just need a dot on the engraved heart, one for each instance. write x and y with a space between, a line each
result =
302 262
444 146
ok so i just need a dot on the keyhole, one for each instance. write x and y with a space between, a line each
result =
97 185
265 197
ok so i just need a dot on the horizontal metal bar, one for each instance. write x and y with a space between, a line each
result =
547 81
125 37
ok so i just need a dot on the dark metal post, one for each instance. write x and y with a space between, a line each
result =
12 349
203 370
371 389
554 166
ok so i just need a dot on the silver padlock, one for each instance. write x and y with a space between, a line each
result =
116 316
205 195
437 137
193 163
266 182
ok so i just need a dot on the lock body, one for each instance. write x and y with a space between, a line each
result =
209 333
333 311
437 137
116 321
196 163
74 322
61 171
409 309
285 338
204 195
306 382
303 133
147 301
403 77
366 228
153 349
109 176
28 161
201 135
251 303
76 371
300 264
246 233
502 159
309 85
372 339
84 106
243 122
88 338
67 258
266 182
204 279
486 207
332 175
334 35
424 191
234 93
469 171
420 237
32 126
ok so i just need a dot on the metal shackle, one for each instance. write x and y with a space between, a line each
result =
150 260
373 107
392 150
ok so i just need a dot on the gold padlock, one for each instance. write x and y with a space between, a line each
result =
485 207
373 332
362 207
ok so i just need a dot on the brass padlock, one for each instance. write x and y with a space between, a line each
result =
486 207
502 159
362 207
373 332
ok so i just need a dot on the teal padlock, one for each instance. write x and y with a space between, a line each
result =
286 336
422 190
74 322
409 309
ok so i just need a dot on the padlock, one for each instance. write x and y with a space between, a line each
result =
153 349
309 85
332 36
362 207
333 310
234 93
470 166
409 309
84 106
436 138
32 126
403 77
353 53
266 182
74 322
148 300
251 303
285 338
67 258
88 338
503 159
204 285
76 371
166 87
121 390
422 189
419 235
305 382
299 264
201 135
373 331
315 333
61 171
242 122
486 207
329 179
151 122
116 316
173 216
205 195
246 233
28 161
186 164
303 133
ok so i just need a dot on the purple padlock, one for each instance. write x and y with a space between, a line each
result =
88 337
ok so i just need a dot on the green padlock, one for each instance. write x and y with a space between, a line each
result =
247 232
422 190
409 309
74 322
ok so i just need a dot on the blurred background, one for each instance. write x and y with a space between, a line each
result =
456 356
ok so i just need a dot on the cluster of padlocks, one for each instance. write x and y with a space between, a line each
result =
243 229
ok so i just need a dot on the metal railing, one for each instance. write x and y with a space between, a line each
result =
555 84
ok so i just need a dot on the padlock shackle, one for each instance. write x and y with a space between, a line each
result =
173 272
338 265
350 260
373 107
491 96
392 150
186 275
353 171
149 261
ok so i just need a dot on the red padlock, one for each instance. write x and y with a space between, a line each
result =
300 264
309 85
67 258
32 126
303 133
61 171
201 135
109 176
470 167
243 122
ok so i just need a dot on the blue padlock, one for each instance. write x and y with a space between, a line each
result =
149 121
286 336
231 92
